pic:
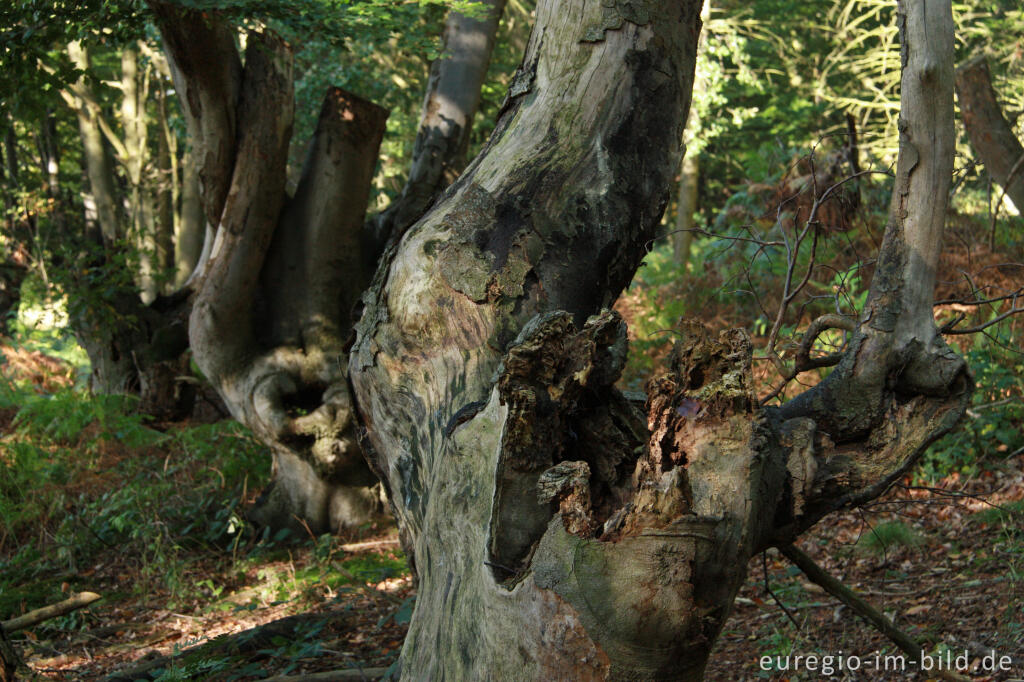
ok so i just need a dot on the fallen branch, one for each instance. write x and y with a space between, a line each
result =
359 546
865 610
37 616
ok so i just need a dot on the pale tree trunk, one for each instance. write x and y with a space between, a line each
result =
689 176
682 238
167 193
190 228
451 101
277 283
558 531
96 159
142 217
991 135
274 295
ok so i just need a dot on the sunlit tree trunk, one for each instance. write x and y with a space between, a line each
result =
559 531
98 165
274 293
277 284
451 101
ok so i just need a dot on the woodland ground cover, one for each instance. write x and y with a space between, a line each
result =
95 496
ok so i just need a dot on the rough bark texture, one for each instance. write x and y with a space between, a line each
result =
990 133
275 289
554 214
555 537
453 96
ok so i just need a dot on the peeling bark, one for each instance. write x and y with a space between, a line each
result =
555 537
990 133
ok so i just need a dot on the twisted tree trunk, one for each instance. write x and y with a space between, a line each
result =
275 290
559 530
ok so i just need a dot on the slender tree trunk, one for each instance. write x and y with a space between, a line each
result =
990 133
191 226
453 96
558 531
166 194
97 162
682 239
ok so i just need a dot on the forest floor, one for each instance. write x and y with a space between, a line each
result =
945 562
94 497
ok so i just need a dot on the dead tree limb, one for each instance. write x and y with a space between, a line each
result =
75 602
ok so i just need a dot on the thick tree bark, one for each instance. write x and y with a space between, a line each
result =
555 536
275 289
452 98
990 133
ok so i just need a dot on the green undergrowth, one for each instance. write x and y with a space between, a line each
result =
889 536
86 481
991 430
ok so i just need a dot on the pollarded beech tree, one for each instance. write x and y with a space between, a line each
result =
559 529
279 275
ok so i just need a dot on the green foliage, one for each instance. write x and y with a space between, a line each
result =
1009 515
991 429
88 474
889 536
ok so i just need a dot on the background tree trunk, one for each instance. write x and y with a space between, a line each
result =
990 133
453 96
558 531
275 291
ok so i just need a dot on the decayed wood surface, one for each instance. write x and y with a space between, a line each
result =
537 508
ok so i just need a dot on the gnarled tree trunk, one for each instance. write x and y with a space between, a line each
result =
277 284
559 530
271 314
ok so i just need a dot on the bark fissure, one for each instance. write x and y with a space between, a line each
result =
532 495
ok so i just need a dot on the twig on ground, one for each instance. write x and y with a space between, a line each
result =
865 610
